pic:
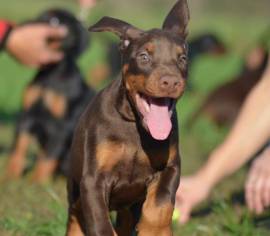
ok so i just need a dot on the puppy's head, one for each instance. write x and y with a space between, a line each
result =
154 66
77 38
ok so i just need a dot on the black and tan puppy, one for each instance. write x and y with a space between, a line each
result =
52 102
208 44
125 153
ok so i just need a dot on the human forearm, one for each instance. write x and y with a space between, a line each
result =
250 132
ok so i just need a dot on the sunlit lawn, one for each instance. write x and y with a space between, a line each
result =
27 209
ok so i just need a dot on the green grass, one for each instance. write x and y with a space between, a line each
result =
33 210
27 209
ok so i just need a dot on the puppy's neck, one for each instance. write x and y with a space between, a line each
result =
123 104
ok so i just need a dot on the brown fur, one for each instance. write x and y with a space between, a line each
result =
172 152
125 69
150 47
74 228
109 154
156 218
135 83
118 161
73 225
179 50
125 221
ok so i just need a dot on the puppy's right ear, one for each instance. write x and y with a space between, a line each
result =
178 18
125 31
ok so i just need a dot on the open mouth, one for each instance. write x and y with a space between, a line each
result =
156 113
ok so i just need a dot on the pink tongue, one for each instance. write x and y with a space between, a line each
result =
158 121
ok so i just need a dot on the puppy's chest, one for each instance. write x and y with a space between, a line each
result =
133 171
131 160
129 183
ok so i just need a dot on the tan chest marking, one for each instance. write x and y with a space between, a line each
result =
56 103
31 96
110 153
173 152
168 157
156 218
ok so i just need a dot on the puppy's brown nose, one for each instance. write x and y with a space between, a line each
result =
169 83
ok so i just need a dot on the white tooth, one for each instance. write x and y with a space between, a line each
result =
126 43
146 106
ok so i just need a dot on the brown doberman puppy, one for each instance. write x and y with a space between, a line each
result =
125 155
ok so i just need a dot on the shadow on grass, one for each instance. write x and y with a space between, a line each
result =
8 118
4 149
237 198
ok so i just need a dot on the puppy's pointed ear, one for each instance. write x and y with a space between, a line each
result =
178 18
122 29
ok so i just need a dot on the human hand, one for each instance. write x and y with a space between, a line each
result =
87 3
257 188
191 192
29 44
85 6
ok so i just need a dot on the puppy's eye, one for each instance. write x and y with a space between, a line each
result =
182 58
144 57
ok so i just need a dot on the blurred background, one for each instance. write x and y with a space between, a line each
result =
240 26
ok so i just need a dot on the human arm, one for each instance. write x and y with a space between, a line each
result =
249 133
87 3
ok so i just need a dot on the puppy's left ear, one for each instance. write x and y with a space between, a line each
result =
178 18
125 31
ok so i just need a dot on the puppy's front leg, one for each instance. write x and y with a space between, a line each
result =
158 207
95 208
